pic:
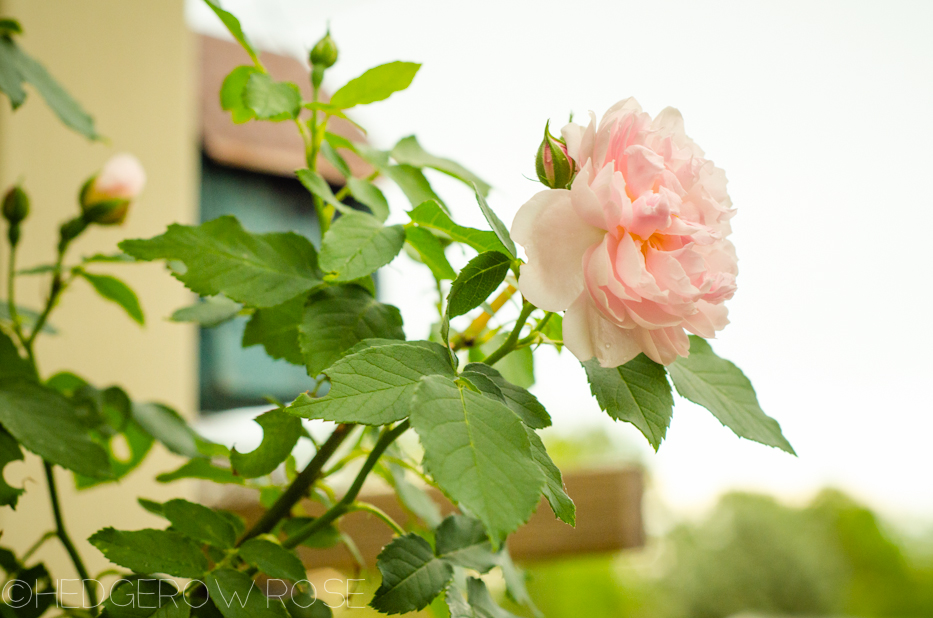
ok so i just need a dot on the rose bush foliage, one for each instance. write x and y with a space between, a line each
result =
629 240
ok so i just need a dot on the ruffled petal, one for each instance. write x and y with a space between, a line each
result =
586 203
642 168
587 333
663 345
555 240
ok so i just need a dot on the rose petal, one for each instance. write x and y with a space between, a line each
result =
587 333
555 239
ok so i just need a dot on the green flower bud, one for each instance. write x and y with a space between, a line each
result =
324 53
109 212
15 205
554 166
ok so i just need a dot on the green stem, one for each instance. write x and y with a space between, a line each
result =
375 510
346 503
55 291
534 333
509 344
51 534
11 300
300 486
65 539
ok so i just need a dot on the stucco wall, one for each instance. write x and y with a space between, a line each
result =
131 65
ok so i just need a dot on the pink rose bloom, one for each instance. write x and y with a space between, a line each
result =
635 251
122 177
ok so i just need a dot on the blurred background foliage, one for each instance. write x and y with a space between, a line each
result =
752 556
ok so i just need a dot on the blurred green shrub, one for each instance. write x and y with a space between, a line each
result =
751 555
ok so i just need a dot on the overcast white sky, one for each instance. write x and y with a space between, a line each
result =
821 113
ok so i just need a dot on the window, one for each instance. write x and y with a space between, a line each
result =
232 376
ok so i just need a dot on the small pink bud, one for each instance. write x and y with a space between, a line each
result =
106 197
553 164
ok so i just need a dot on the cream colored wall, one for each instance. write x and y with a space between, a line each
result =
131 65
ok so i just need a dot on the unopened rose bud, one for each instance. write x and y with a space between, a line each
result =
15 206
105 198
554 166
15 209
324 53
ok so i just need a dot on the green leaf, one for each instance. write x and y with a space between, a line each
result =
11 82
328 536
413 184
141 596
722 388
12 365
337 318
317 186
376 84
431 251
637 392
135 440
47 424
554 489
239 525
502 232
429 214
481 602
333 157
9 27
280 433
201 469
515 583
27 316
413 497
411 575
276 329
369 195
477 450
200 523
553 331
108 258
18 67
409 152
118 292
220 257
517 367
339 141
303 604
374 385
168 427
236 596
233 26
151 551
9 452
357 245
209 312
462 541
231 94
272 100
151 506
478 279
272 559
179 608
519 400
457 605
